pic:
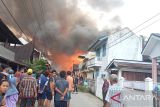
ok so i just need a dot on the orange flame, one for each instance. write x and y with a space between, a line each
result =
65 61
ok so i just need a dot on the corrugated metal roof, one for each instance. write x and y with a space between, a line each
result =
6 35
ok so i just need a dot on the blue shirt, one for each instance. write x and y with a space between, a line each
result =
61 84
42 82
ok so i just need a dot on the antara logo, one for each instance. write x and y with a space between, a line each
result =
116 97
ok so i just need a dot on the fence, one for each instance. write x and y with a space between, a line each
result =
138 85
91 85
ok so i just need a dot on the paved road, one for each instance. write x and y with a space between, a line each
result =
85 100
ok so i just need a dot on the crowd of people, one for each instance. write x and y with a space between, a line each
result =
49 88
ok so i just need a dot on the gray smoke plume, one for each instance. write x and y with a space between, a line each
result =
56 25
105 5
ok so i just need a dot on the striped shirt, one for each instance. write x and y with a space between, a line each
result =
28 87
113 95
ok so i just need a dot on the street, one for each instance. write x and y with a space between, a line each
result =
85 100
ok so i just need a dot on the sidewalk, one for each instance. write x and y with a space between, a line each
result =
85 100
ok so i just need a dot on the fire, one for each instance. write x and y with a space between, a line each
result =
65 61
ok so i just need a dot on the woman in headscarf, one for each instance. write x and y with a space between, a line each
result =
12 92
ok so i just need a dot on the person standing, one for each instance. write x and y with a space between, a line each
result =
49 88
42 80
114 93
71 86
12 92
5 69
81 79
76 84
105 90
61 89
4 84
28 90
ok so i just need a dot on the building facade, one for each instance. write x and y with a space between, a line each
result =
123 44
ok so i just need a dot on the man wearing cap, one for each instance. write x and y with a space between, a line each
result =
28 90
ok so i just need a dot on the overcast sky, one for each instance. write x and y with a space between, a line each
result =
131 13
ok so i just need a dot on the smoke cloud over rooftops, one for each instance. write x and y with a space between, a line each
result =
58 26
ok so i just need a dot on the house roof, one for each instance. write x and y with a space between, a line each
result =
7 35
117 64
152 46
22 53
122 32
97 42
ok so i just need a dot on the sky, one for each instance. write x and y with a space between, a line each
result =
131 14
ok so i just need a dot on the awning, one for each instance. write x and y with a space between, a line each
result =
152 46
6 35
130 65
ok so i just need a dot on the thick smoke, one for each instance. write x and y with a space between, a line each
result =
105 5
56 25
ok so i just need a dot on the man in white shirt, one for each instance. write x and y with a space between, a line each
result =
114 93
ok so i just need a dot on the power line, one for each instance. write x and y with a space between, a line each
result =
41 6
29 15
146 21
137 26
133 33
42 17
14 19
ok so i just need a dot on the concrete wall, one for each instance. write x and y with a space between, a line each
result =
6 53
91 85
99 84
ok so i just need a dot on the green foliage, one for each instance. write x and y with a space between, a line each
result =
38 65
83 88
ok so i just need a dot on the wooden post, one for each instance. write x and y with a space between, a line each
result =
154 70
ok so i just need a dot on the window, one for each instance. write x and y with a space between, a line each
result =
103 75
98 52
104 50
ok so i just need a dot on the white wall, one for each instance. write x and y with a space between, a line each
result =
99 84
118 48
90 75
129 48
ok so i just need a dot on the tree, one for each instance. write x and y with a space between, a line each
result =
38 65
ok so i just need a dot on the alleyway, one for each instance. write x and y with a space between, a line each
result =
85 100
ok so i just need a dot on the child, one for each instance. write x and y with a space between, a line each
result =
4 84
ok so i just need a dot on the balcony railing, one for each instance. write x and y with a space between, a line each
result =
97 61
